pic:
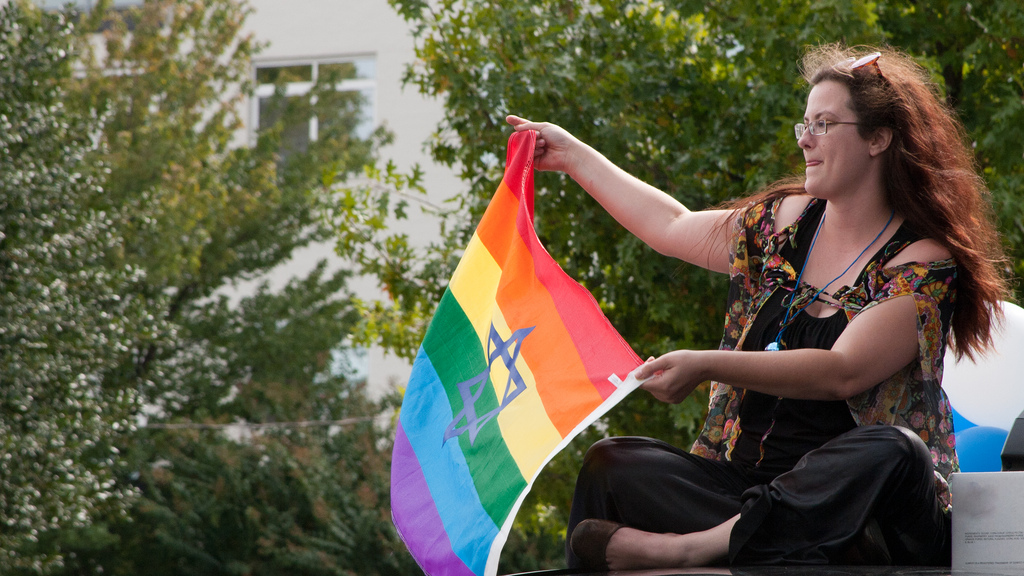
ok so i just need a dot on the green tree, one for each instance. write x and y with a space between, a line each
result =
977 55
204 213
110 278
300 495
696 98
67 316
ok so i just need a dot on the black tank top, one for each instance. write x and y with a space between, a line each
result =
796 426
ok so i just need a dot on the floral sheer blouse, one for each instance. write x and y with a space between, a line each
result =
911 398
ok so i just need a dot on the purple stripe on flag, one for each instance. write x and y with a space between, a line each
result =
448 483
413 508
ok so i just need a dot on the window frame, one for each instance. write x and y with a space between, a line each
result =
365 86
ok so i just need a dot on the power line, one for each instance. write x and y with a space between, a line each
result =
256 425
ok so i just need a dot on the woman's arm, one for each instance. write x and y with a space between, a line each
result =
877 343
659 220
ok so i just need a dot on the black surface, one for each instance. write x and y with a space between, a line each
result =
781 571
1013 450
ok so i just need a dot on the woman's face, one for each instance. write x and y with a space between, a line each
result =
838 161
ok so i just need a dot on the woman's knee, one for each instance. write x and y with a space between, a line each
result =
896 444
620 455
610 453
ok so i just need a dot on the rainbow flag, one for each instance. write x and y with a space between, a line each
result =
517 360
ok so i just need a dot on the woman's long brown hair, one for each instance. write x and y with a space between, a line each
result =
930 176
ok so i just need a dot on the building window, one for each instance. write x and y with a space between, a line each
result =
285 92
352 362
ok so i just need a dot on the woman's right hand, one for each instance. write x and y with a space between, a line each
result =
658 219
556 149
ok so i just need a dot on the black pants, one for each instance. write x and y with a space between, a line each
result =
809 515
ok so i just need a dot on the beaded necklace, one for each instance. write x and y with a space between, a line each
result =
790 314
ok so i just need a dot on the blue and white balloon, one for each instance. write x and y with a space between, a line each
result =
987 394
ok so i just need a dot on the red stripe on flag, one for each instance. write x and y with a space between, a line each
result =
572 358
601 348
562 382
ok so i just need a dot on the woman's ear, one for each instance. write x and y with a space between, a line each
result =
879 141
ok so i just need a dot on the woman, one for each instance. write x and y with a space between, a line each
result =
828 439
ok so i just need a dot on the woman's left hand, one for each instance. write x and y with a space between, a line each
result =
673 376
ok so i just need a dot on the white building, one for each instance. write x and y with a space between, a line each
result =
372 37
302 38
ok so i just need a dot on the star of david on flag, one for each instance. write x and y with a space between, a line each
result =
469 397
518 359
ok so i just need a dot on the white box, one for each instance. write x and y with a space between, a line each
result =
988 522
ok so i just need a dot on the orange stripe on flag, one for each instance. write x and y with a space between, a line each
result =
497 227
562 382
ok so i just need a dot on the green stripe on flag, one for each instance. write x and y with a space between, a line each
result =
454 350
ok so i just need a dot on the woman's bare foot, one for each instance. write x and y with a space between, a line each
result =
630 548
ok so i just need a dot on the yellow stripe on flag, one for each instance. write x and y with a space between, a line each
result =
528 432
525 426
475 286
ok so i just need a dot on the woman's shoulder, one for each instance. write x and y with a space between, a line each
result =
924 267
924 251
772 215
789 209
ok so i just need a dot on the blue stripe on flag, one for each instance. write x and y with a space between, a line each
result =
425 415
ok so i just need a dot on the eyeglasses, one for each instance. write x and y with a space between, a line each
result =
820 127
817 128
